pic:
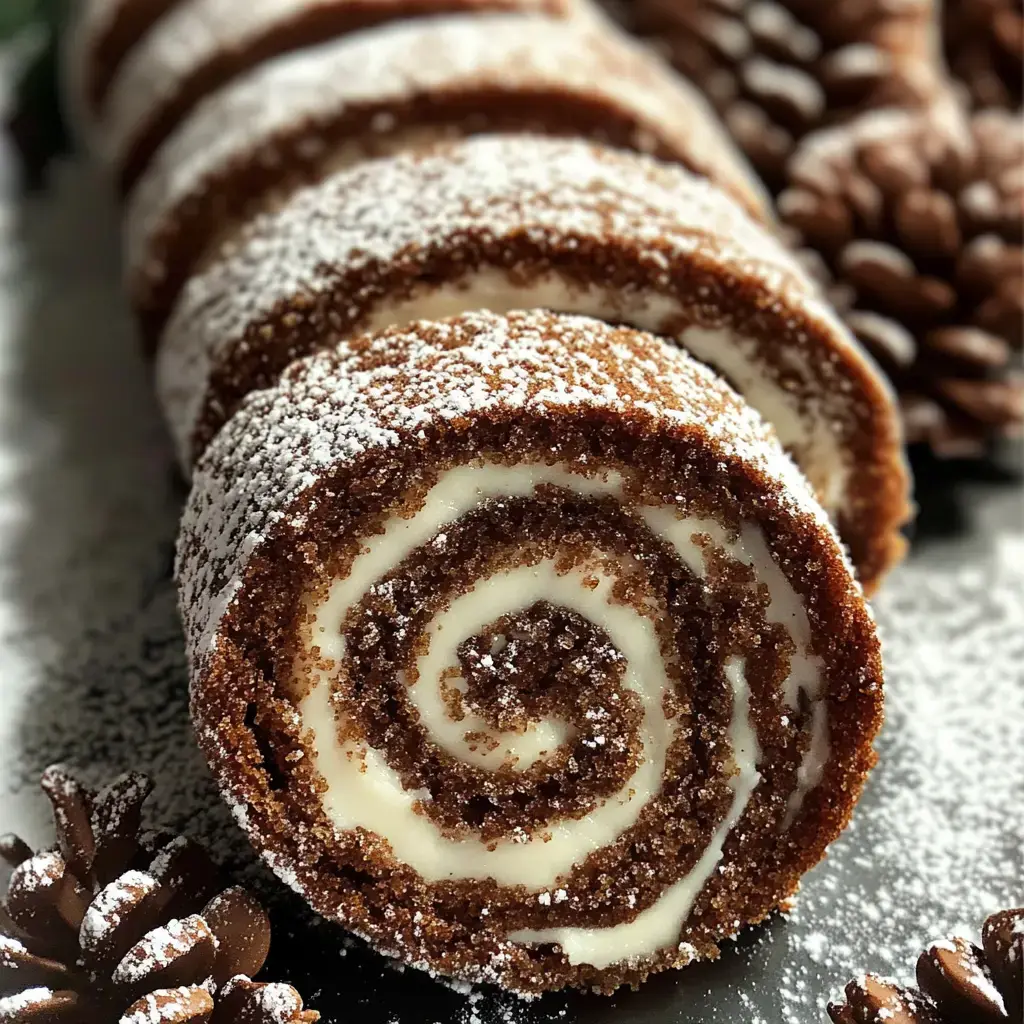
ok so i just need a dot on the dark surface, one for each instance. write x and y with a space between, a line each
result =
92 672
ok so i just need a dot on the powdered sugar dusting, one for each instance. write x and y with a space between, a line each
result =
106 911
159 948
196 32
39 872
493 56
91 658
21 1001
167 1006
557 193
934 848
333 408
9 945
160 866
277 1002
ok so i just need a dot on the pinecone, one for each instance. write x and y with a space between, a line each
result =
959 983
778 69
916 222
118 924
984 41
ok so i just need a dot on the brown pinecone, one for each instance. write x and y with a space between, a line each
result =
984 42
959 983
778 69
916 221
118 924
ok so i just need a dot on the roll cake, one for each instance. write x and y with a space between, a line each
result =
520 648
102 34
519 222
199 45
298 118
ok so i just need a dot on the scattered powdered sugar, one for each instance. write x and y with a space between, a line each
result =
9 945
196 33
39 872
161 864
935 846
12 1005
106 911
165 1006
159 948
92 661
335 407
278 1002
495 57
974 974
545 196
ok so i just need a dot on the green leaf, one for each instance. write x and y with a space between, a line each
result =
16 15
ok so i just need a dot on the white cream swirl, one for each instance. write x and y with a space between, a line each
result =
364 791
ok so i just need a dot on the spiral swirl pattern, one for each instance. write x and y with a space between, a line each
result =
506 649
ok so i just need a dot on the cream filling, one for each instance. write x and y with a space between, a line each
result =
363 791
809 433
658 926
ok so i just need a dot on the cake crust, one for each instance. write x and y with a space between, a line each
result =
652 242
201 45
298 119
379 421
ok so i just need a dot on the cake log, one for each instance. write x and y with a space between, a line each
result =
520 222
201 45
102 34
521 649
294 120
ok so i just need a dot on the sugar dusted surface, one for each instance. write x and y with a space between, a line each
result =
104 913
159 948
328 411
553 190
11 1005
279 1002
521 207
89 22
196 32
402 62
39 872
92 663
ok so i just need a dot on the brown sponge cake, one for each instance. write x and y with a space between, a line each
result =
202 44
520 222
295 119
103 33
520 648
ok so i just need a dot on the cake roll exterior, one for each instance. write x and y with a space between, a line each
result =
296 119
102 34
201 45
520 648
520 222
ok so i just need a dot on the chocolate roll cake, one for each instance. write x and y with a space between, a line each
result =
296 119
102 34
520 648
519 222
200 45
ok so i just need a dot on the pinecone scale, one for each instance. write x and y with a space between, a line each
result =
984 42
914 221
779 69
958 983
122 925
